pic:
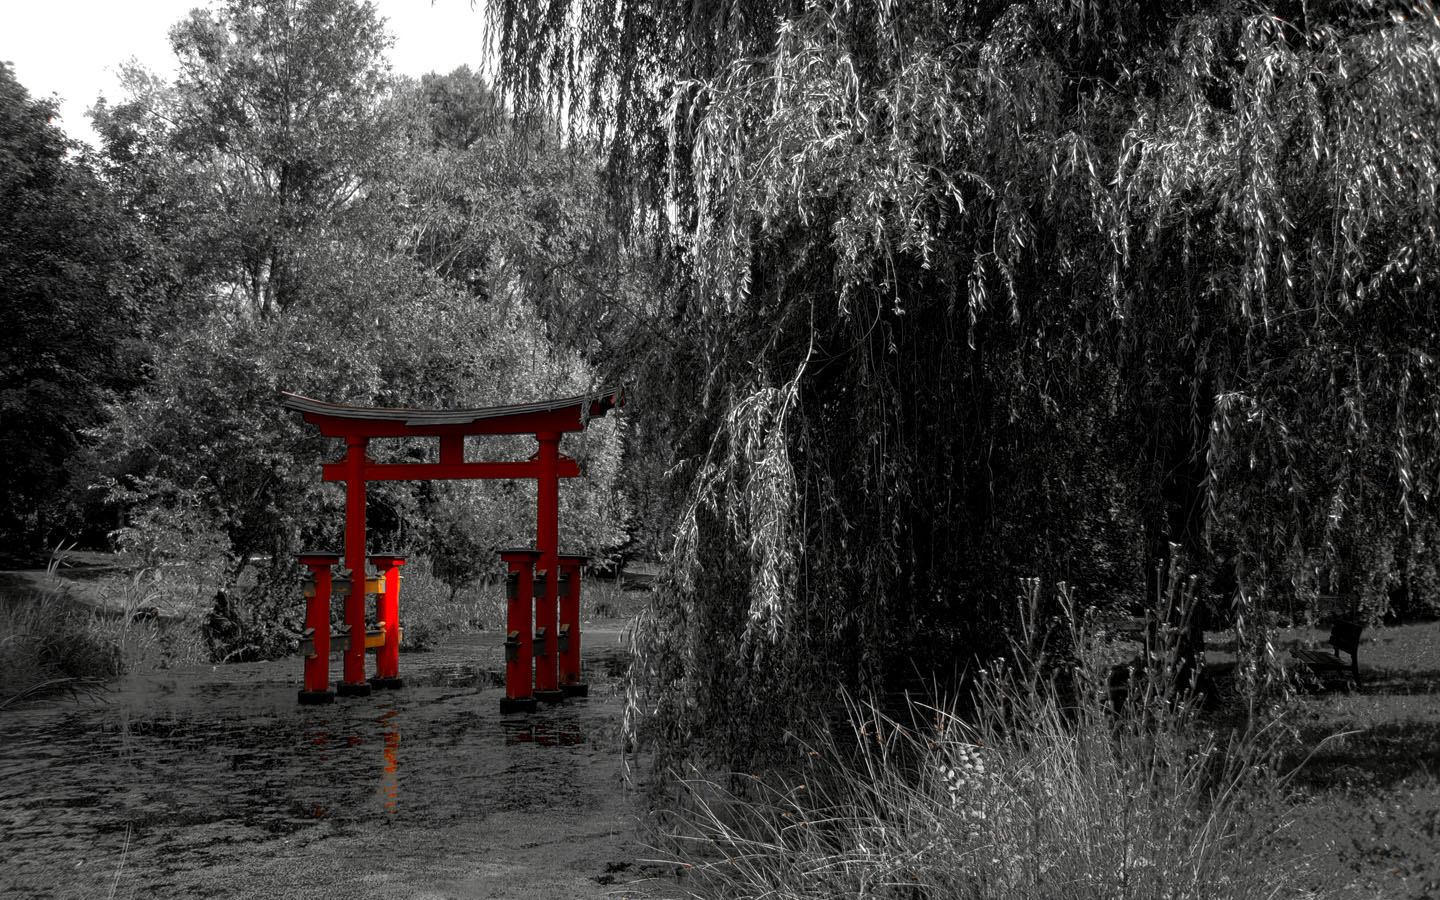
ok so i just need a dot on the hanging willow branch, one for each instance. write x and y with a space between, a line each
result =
1078 281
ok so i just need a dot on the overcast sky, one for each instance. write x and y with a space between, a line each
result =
72 48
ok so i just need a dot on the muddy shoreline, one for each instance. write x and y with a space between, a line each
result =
214 782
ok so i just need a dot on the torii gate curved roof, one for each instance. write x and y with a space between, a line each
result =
565 414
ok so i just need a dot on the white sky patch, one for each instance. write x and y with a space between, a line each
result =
73 48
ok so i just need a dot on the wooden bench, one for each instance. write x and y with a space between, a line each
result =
1133 628
1344 635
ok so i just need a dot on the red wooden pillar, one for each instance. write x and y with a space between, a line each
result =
316 648
569 665
387 612
353 679
519 646
547 540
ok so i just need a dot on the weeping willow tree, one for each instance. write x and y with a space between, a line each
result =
962 292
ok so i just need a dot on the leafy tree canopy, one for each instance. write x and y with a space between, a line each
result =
270 137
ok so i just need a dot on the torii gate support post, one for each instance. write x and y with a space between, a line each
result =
317 624
569 658
547 541
353 683
519 645
387 612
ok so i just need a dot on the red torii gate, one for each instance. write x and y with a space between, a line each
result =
547 420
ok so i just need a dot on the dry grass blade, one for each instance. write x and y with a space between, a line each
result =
74 687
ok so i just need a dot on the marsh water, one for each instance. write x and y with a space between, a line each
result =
214 782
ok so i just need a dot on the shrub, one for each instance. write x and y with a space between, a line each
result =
245 626
431 610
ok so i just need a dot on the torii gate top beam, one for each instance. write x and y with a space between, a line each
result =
358 424
338 420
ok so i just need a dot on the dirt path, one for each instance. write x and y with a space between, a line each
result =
215 783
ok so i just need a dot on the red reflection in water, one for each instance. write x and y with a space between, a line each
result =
546 734
389 787
319 738
390 779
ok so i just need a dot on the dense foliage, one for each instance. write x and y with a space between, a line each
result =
72 277
969 291
312 224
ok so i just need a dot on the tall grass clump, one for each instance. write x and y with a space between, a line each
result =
53 641
1045 782
605 598
49 644
154 623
